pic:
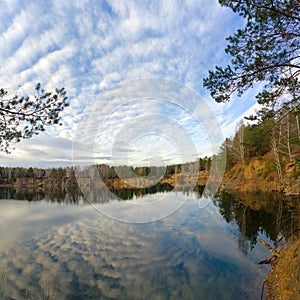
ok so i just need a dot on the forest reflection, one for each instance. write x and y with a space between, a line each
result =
273 214
252 214
98 195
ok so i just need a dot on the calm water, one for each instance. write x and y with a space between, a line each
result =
60 245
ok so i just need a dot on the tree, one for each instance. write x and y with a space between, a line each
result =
257 139
21 116
237 145
30 173
266 50
61 173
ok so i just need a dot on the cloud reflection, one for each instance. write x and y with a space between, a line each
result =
93 257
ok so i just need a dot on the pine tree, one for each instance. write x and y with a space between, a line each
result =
266 50
21 116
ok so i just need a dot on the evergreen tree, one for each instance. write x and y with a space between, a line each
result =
21 117
266 50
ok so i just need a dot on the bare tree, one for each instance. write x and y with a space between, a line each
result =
237 148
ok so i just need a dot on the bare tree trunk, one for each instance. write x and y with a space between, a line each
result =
238 150
241 145
288 144
298 127
276 156
284 144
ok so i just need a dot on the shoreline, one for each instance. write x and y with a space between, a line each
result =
237 179
283 282
278 283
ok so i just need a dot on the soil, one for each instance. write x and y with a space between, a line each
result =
283 283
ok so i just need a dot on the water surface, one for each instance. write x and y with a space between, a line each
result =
60 245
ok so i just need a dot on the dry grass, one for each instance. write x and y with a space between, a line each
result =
283 282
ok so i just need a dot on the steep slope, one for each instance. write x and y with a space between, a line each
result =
260 174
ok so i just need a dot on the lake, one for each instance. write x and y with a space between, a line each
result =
58 246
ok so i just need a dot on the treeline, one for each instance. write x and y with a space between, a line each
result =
19 172
278 135
104 171
112 172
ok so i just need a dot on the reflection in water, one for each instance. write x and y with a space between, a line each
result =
55 196
76 253
255 213
74 197
100 195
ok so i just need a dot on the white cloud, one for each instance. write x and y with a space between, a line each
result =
88 47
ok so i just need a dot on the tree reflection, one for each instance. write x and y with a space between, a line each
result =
95 195
254 213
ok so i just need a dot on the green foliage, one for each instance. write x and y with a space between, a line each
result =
124 171
205 163
224 152
296 169
266 50
256 142
61 173
106 172
257 139
30 173
142 171
276 135
21 117
296 172
269 168
170 170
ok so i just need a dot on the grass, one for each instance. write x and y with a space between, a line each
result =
284 281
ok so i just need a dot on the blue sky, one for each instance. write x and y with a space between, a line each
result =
89 47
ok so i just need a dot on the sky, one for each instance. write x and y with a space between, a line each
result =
133 72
